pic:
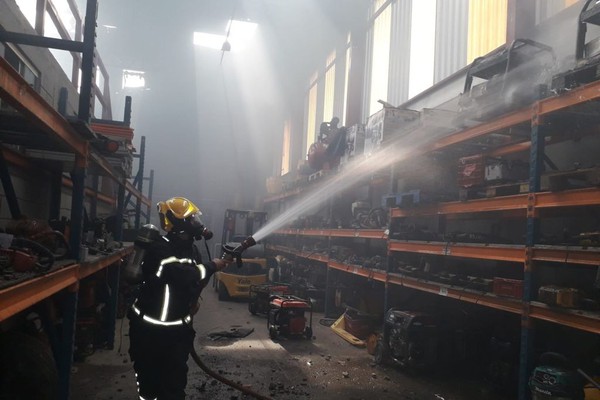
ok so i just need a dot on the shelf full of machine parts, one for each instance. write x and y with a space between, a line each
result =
472 289
480 244
349 246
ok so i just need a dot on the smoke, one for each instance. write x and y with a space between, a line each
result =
213 130
405 145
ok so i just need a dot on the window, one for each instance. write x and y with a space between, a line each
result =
311 115
329 95
19 62
27 8
346 77
133 79
285 152
422 46
545 9
487 27
380 56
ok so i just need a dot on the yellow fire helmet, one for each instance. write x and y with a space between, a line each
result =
174 210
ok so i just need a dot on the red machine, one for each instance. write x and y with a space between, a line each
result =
286 317
260 296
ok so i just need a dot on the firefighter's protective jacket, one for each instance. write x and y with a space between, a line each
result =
174 277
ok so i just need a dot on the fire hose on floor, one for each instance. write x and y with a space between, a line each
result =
228 382
230 253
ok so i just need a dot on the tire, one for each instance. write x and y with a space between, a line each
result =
381 356
252 307
27 368
273 334
223 294
308 333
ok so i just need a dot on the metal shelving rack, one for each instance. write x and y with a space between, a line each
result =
48 130
526 206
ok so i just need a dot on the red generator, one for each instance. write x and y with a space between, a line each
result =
260 296
286 317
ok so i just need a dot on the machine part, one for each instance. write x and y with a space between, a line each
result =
587 67
40 232
505 71
471 171
355 143
559 296
17 260
555 378
508 287
286 317
409 339
259 296
387 124
27 255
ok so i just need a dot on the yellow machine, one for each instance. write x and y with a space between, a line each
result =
235 280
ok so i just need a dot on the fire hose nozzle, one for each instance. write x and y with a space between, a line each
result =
230 253
248 242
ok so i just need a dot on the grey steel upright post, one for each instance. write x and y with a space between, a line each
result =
140 182
88 70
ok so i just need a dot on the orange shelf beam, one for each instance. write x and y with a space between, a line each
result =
584 321
348 233
509 120
483 299
360 233
565 254
96 264
576 96
304 254
485 252
21 296
572 318
568 198
357 270
505 203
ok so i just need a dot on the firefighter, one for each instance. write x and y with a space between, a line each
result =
171 276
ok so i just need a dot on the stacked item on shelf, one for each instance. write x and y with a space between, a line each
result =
121 134
385 125
476 175
355 143
512 75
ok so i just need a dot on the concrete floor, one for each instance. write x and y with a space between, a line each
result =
326 367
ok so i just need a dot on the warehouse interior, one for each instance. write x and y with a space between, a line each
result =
413 184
